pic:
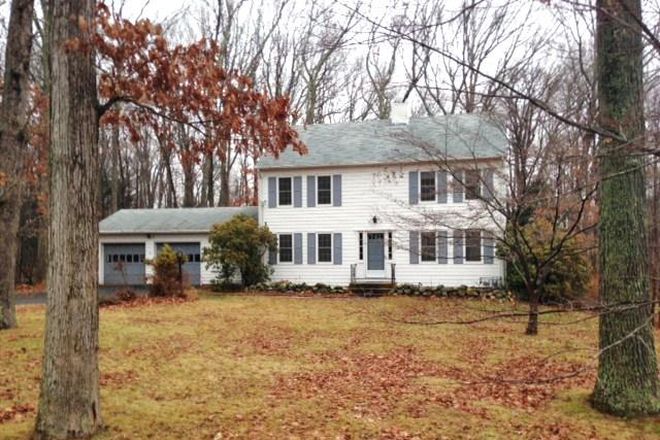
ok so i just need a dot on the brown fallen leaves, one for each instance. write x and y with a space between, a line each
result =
15 412
370 385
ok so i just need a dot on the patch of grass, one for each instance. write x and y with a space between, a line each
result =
277 367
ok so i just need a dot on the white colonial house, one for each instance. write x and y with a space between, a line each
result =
380 201
387 200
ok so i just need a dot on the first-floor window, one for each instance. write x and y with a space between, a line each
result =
389 245
428 246
361 246
325 248
286 248
473 245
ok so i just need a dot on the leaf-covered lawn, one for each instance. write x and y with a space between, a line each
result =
347 368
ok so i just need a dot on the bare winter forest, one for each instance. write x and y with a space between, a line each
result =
154 104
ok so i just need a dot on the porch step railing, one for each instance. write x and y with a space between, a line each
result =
392 277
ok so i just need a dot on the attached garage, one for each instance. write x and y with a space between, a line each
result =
123 264
192 268
131 237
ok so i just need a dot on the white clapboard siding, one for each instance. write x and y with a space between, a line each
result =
382 192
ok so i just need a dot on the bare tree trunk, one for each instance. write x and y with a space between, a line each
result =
208 194
13 141
533 318
114 160
627 383
69 404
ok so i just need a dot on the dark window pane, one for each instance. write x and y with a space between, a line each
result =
198 258
286 248
324 192
285 190
115 258
428 246
136 258
361 238
141 258
389 245
325 248
129 258
122 258
427 186
472 187
109 258
473 245
191 258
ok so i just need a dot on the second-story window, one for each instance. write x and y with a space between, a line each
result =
284 191
472 184
324 190
427 186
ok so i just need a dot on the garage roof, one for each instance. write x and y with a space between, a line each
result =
174 220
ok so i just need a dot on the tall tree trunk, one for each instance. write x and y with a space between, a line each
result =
627 383
208 194
114 160
69 404
13 141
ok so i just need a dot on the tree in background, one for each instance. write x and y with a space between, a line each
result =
14 137
238 247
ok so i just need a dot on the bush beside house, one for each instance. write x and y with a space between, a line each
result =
237 250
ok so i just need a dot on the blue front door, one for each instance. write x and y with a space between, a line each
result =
376 254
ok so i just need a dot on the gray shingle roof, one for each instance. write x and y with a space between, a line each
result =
378 141
175 220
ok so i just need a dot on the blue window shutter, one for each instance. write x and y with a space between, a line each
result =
336 190
413 244
336 248
489 248
457 187
458 247
443 247
489 190
297 248
413 187
272 255
442 186
272 192
297 192
311 191
311 248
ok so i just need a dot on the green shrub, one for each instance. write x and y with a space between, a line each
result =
238 246
168 273
568 273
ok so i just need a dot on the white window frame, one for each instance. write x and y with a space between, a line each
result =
278 192
278 248
481 247
318 248
435 187
329 176
421 247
